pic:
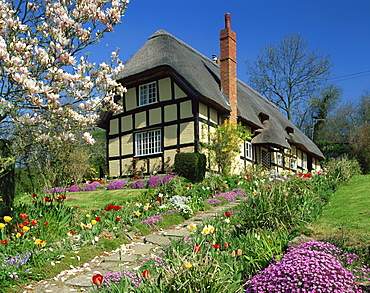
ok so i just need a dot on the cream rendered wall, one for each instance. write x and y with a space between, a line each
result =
186 110
113 147
178 92
126 164
140 120
170 113
114 168
213 116
126 123
113 126
170 135
127 144
130 99
155 116
164 89
187 133
203 112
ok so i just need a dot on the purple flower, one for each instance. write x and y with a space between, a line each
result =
153 220
91 186
74 188
155 182
168 178
311 267
138 185
117 184
213 201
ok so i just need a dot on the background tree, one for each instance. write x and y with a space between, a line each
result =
322 106
290 75
360 146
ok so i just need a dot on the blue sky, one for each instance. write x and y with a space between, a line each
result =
339 28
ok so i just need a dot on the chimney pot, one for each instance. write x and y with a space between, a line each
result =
227 20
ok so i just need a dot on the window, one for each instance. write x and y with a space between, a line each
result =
304 161
147 143
148 94
293 163
265 159
280 159
248 150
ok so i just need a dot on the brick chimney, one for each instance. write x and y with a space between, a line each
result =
228 66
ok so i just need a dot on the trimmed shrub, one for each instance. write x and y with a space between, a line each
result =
192 166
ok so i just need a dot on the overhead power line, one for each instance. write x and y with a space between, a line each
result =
350 76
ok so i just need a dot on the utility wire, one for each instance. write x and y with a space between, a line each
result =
350 76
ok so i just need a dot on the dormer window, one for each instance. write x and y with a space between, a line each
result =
263 117
289 130
148 94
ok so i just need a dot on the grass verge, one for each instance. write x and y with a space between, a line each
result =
347 216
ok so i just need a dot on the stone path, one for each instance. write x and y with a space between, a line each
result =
79 279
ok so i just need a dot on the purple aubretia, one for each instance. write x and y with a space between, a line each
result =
311 267
117 184
155 182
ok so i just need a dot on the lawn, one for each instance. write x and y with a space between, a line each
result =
94 199
348 213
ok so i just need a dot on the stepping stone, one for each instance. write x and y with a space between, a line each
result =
177 233
157 239
85 279
124 258
142 248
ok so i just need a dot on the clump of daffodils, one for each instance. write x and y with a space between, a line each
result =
208 229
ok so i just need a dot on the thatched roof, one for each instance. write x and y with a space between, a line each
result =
203 76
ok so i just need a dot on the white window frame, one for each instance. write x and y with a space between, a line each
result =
279 159
293 163
248 150
148 142
148 94
304 161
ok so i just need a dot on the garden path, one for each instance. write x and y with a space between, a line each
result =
79 279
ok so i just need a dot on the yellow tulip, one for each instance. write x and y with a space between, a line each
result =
25 228
93 222
7 219
2 225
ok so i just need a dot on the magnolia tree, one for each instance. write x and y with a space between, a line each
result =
49 91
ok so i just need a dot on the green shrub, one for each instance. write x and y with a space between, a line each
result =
342 169
192 166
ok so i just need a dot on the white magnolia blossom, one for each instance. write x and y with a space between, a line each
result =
50 93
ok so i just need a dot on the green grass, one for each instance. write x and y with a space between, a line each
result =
94 199
348 213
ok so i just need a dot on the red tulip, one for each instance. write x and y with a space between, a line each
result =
216 246
73 232
26 223
34 194
46 223
118 219
159 198
97 219
226 244
48 199
4 242
34 222
146 274
227 214
97 279
85 228
196 248
23 216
